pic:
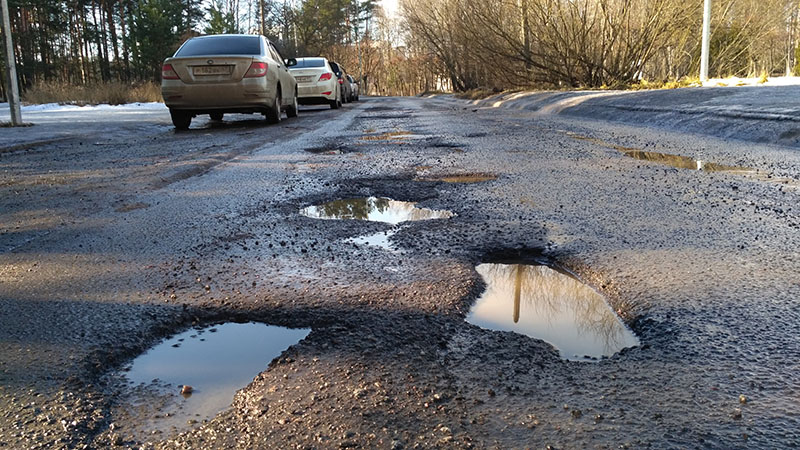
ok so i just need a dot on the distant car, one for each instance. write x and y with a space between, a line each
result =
354 87
317 82
340 74
228 73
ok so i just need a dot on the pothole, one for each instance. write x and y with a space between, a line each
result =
374 209
461 178
680 162
685 162
393 136
379 239
330 149
546 304
200 370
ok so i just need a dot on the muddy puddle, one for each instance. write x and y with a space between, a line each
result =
214 361
680 162
461 178
546 304
374 209
685 162
392 136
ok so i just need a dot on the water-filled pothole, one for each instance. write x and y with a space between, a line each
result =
680 162
547 304
214 361
461 178
374 209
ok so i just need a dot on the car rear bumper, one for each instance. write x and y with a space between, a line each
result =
247 93
316 90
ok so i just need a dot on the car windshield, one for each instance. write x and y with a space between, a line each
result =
221 45
309 62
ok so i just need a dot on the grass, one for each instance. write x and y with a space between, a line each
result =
113 93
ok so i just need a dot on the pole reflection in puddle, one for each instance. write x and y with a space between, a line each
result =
552 306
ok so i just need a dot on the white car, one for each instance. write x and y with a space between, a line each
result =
228 73
317 83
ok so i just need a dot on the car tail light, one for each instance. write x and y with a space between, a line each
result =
325 76
168 73
256 70
326 93
341 81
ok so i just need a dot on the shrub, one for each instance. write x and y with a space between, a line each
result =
113 93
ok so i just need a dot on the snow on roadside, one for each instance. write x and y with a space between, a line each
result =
104 107
739 82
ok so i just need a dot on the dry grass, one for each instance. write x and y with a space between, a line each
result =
114 93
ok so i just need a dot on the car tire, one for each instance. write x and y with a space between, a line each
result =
273 114
335 104
291 110
216 116
180 119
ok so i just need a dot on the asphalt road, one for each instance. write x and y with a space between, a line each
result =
117 233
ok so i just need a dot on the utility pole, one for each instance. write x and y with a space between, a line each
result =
13 88
706 39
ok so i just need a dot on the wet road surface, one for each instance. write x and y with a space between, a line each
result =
108 248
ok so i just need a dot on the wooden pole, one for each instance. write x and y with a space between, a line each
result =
11 69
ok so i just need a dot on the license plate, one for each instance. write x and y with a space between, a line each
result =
304 79
213 70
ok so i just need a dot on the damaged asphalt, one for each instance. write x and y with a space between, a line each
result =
106 249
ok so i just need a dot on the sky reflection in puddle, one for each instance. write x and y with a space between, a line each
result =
215 361
543 303
374 209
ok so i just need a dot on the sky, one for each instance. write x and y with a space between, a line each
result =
391 7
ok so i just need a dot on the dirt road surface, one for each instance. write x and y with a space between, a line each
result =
116 232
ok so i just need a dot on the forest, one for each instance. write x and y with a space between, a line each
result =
449 45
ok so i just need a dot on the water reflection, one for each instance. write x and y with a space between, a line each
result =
213 362
681 162
375 209
540 302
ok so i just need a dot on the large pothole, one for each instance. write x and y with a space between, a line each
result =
193 376
547 304
374 209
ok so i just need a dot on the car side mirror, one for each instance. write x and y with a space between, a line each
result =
291 62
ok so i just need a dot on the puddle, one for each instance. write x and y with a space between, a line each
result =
680 162
546 304
392 136
215 361
685 162
374 209
465 178
379 239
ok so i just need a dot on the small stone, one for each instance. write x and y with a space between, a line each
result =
742 399
491 393
397 445
186 389
737 414
576 413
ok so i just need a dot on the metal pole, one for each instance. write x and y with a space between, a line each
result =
13 89
706 39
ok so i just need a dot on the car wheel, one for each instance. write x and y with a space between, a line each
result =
273 114
216 116
180 119
291 110
335 104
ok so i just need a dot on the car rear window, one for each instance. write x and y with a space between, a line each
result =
221 45
309 62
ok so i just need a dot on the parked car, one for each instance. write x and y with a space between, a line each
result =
354 87
228 73
340 74
317 82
